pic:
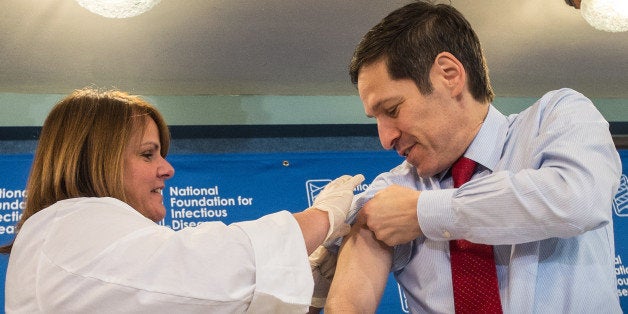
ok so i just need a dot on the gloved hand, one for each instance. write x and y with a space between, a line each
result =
323 265
335 199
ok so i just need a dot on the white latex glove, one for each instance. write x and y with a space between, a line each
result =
323 265
335 199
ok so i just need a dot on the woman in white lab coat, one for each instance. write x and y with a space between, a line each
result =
88 241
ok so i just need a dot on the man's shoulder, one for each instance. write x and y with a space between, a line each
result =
564 103
564 98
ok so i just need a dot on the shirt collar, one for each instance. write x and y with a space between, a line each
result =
488 144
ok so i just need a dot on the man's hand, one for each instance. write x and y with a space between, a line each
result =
392 215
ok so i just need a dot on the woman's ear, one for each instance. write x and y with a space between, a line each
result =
450 72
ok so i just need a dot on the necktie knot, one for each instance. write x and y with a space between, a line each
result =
462 170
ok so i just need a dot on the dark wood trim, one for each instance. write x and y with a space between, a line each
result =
621 141
230 131
618 129
264 131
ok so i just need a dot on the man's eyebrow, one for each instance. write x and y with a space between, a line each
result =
378 105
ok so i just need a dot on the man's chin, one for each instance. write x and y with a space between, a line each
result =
423 173
415 164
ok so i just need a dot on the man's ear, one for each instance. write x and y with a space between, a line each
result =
451 72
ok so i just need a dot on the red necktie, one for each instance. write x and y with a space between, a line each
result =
473 271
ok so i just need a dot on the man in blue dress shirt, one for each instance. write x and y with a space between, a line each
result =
541 195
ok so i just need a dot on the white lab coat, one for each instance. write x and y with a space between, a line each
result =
99 255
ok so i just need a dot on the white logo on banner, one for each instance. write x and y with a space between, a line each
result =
313 187
403 299
620 207
620 203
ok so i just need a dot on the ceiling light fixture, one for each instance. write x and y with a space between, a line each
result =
118 8
605 15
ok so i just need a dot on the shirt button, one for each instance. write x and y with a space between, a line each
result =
446 234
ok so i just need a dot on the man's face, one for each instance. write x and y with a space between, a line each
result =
420 128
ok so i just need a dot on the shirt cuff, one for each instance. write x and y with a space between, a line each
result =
436 214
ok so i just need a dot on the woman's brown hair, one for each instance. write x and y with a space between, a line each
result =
81 145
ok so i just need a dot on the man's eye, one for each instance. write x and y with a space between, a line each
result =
392 112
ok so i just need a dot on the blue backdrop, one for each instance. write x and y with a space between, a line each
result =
236 187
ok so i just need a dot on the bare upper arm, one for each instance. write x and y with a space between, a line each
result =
361 273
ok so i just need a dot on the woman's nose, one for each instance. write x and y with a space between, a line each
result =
166 170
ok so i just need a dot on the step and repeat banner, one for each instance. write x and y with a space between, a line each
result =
236 187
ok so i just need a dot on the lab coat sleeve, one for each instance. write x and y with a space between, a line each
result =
114 257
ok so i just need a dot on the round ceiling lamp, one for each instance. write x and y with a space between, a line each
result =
118 8
606 15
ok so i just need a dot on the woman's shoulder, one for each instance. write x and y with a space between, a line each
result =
73 205
85 210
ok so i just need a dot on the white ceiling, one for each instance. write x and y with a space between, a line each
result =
285 47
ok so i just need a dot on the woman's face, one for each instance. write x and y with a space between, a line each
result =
145 172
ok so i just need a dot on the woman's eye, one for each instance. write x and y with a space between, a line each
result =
147 155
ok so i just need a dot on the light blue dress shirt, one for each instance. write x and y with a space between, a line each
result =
542 196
